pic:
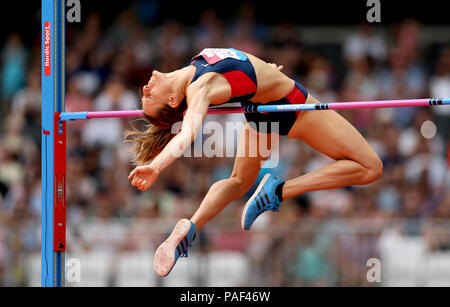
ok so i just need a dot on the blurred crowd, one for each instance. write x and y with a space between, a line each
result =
107 65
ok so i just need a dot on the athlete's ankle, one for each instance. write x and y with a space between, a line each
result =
279 191
195 223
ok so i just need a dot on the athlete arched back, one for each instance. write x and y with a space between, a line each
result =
217 76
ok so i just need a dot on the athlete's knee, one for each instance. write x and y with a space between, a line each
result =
242 184
374 170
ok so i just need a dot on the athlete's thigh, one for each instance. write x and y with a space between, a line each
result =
331 134
251 154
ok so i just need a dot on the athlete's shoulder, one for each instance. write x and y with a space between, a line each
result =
212 86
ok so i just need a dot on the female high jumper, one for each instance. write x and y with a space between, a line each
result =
217 76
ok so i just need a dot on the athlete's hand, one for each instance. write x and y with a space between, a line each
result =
279 67
143 177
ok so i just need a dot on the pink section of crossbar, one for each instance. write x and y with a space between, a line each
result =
378 104
140 113
109 114
226 110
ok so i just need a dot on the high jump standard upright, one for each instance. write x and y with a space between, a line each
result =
53 146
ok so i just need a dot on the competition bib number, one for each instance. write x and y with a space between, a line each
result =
214 55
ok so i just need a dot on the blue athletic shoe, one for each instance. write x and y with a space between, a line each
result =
174 247
262 200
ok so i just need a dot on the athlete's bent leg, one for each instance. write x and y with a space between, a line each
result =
245 171
329 133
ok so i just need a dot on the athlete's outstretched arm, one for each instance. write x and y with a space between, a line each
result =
144 176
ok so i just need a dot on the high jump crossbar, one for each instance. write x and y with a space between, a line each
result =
274 108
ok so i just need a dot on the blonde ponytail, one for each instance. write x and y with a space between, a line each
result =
148 144
157 135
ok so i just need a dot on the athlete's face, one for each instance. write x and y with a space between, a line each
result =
155 94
